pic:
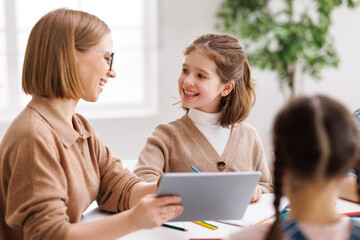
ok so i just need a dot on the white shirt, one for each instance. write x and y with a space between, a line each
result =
209 126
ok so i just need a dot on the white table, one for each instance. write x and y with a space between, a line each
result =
254 213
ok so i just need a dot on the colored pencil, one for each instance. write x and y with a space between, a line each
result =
194 168
350 213
204 224
266 219
282 211
230 223
284 215
206 239
210 224
174 227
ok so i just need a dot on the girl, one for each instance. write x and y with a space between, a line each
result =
349 185
53 166
217 92
316 144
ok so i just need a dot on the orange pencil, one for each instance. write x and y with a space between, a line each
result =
350 213
262 221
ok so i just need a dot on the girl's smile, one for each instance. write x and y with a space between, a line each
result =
189 93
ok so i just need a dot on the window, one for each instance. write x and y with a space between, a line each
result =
134 31
4 94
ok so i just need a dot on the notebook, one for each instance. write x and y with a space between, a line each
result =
210 196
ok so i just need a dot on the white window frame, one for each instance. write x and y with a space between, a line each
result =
148 106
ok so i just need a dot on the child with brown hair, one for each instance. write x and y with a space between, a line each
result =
316 144
217 92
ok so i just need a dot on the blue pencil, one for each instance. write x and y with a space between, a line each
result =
284 210
194 168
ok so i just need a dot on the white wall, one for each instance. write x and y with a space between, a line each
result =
181 22
342 83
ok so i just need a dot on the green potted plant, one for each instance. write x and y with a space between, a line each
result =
288 37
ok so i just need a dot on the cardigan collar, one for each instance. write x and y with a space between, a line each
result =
52 116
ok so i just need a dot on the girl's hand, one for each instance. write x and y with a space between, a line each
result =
256 195
152 211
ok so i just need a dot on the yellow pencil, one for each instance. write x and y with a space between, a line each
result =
282 211
209 224
262 221
212 227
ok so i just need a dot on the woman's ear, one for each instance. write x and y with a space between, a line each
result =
229 86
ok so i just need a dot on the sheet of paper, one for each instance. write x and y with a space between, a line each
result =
259 211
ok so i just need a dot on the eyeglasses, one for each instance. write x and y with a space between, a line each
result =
110 59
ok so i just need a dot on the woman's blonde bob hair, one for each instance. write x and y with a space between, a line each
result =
49 65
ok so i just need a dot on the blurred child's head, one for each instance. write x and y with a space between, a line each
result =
315 141
236 95
315 138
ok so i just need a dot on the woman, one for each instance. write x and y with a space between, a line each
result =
52 163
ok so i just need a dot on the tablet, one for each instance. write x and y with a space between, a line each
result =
210 196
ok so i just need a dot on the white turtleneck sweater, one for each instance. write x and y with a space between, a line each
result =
208 124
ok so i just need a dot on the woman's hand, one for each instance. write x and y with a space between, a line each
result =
149 212
152 211
257 194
